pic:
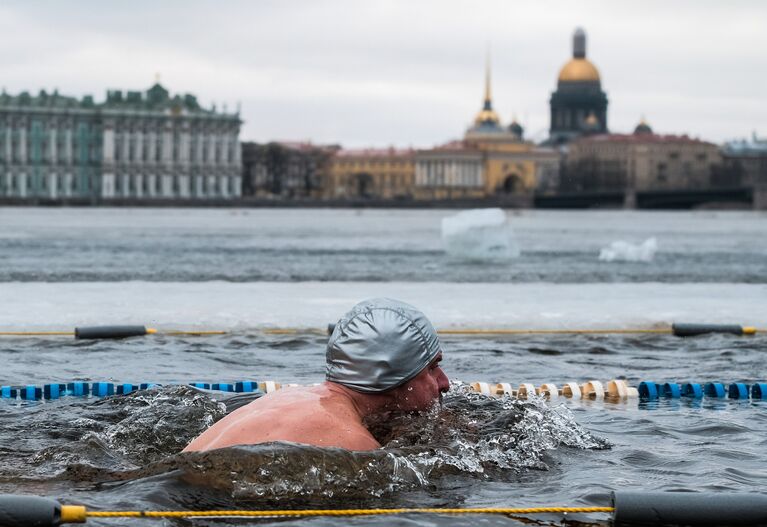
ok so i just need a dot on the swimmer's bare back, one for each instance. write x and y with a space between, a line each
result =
320 415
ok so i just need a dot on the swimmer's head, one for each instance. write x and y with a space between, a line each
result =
379 345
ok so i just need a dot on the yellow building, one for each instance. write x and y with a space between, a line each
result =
370 173
490 161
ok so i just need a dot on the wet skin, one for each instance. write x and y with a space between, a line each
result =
329 415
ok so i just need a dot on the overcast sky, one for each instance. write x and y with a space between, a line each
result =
379 73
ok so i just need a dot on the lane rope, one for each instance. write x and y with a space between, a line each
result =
340 512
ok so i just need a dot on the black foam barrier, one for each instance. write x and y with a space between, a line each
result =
692 330
110 332
28 511
688 508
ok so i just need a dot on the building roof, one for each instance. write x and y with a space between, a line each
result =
375 152
756 146
641 138
305 146
155 99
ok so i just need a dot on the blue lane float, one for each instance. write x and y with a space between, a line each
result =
245 386
738 390
8 392
54 391
692 389
78 389
102 389
759 391
671 390
31 393
648 390
714 390
125 389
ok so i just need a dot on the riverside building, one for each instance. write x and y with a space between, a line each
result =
134 145
371 173
491 161
641 161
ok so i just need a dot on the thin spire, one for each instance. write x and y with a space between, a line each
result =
488 94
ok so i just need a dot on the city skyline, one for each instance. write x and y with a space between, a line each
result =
379 74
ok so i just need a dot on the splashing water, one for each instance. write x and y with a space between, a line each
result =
135 437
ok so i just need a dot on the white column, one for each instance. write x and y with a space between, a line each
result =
21 184
52 153
52 185
211 147
23 150
151 146
167 144
108 145
108 185
68 149
8 144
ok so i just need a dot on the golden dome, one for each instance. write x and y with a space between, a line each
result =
486 116
579 70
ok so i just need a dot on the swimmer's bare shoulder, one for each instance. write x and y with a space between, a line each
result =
315 415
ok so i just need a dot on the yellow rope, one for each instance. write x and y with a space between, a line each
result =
340 512
35 333
550 331
216 332
293 331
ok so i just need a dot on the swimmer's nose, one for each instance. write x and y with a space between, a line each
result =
444 382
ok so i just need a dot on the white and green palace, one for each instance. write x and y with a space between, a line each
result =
134 145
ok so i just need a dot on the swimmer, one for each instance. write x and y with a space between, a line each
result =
382 357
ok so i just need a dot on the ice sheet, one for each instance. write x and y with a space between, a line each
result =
242 306
479 235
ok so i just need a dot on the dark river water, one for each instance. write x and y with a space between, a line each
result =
63 267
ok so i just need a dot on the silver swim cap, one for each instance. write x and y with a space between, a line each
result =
380 344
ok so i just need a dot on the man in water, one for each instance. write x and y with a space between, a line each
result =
383 356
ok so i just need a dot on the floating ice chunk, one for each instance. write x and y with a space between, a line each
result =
479 235
620 251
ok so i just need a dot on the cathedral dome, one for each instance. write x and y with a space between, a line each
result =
516 128
642 128
579 70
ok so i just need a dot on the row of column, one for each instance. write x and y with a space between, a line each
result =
108 185
171 148
448 173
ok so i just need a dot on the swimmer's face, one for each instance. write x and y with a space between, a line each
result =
421 392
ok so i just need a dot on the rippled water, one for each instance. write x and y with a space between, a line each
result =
367 245
123 452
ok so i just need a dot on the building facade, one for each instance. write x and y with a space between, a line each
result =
578 105
285 170
642 161
134 145
371 173
745 164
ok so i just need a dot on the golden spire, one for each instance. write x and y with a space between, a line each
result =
157 77
487 115
488 95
